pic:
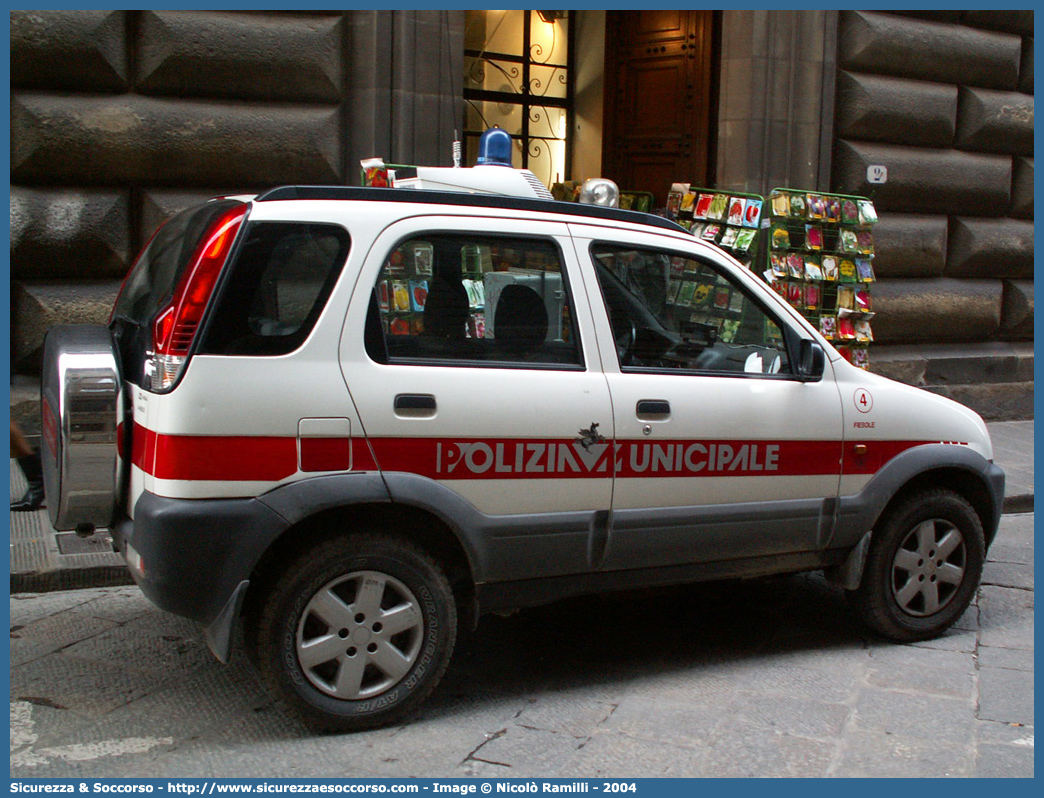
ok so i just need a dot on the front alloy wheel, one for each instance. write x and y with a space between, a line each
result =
923 567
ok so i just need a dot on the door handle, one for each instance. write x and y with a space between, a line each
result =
653 407
423 403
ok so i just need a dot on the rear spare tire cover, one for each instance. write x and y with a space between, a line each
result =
80 407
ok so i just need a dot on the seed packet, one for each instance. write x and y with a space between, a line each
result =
736 302
813 237
781 287
816 206
375 173
745 239
849 212
860 357
710 232
829 266
687 202
778 262
686 223
849 241
400 295
863 302
728 238
729 328
845 352
718 207
780 204
752 213
383 295
674 199
701 296
833 209
736 207
813 271
721 297
845 328
477 325
396 263
780 237
672 291
864 270
865 240
685 294
845 298
422 257
418 295
867 212
697 228
812 295
828 327
863 333
702 206
795 294
846 271
796 266
797 206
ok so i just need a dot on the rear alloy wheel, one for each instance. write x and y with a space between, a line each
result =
923 568
358 632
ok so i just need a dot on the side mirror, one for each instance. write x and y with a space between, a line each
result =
811 361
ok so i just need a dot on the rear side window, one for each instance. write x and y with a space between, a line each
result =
276 288
151 283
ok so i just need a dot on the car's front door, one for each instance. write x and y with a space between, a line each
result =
480 389
721 451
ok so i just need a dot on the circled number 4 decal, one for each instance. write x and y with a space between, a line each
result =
864 402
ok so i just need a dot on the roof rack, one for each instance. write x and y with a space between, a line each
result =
428 197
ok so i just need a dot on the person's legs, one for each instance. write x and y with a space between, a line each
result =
29 461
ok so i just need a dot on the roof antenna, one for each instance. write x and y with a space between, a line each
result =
456 150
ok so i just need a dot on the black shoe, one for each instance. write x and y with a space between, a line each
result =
34 497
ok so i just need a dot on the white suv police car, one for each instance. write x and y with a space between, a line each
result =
356 419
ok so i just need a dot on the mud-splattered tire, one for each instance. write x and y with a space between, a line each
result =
357 632
923 568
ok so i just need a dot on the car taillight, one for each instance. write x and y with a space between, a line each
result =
175 326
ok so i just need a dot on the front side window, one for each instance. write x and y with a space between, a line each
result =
670 311
458 299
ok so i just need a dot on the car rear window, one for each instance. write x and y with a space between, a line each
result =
151 282
277 286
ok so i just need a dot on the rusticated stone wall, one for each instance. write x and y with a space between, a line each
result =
944 100
121 118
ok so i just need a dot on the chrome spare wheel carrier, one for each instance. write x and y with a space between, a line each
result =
80 411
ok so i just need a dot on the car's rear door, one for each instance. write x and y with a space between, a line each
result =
469 354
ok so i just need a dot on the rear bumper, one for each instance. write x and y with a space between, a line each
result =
191 557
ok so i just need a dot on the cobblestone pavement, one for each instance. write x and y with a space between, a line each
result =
764 678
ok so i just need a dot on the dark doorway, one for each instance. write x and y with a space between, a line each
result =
658 99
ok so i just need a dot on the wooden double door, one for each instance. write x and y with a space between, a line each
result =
658 99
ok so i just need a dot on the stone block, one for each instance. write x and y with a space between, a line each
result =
1015 21
928 50
69 50
995 121
36 307
1026 70
69 233
158 205
910 245
942 310
1017 309
293 57
925 180
1022 189
897 110
994 401
990 248
134 139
